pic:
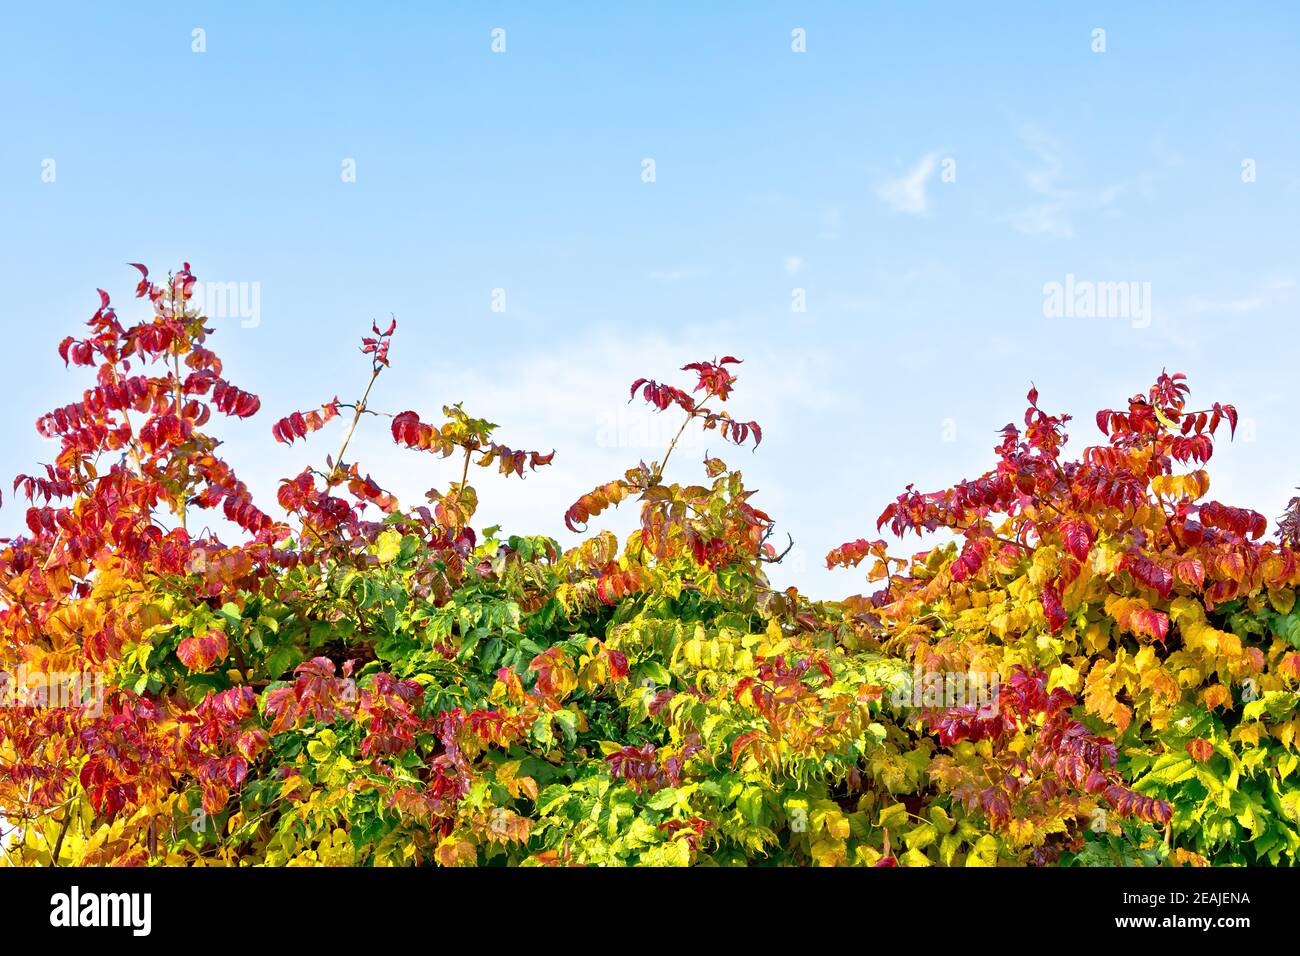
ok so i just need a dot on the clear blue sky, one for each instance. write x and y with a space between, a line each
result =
774 171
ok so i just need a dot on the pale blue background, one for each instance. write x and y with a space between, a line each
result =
522 171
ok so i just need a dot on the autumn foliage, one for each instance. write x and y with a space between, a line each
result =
348 679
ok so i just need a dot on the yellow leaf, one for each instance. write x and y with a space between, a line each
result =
984 853
1286 733
1095 638
948 848
1248 733
1099 697
1185 609
892 816
1161 684
1282 601
1216 696
920 837
1063 675
829 853
1021 831
456 852
388 546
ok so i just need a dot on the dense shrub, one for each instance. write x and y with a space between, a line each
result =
1099 667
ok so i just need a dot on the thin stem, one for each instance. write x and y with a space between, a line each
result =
240 661
659 472
133 447
778 558
368 411
176 367
356 417
63 831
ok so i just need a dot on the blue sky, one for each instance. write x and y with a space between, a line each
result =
921 172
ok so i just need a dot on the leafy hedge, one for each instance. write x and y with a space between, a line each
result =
1099 666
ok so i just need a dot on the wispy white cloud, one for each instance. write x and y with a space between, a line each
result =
1051 215
793 264
908 192
1267 295
1194 323
1058 198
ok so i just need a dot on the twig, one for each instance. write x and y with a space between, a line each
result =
777 558
63 831
356 417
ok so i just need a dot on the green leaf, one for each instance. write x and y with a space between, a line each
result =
282 660
751 805
568 722
654 671
1169 769
942 822
892 817
918 838
662 799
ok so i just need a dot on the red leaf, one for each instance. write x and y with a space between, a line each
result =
201 651
1200 749
740 743
1077 536
1052 608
